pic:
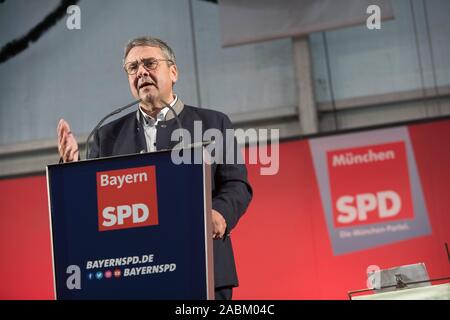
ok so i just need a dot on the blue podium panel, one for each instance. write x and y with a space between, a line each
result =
131 227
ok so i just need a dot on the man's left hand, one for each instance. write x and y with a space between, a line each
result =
219 225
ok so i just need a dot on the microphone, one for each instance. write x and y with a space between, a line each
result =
119 110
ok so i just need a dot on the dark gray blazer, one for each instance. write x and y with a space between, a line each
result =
231 192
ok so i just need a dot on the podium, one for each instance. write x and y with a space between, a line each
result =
132 227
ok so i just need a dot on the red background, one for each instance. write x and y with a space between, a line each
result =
281 244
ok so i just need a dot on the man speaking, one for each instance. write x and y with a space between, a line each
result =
152 72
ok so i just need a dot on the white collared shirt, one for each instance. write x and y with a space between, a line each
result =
150 123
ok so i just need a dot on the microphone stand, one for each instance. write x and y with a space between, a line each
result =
103 120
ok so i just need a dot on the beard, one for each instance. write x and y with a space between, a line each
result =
149 98
151 102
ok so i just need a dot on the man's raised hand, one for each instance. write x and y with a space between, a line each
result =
67 144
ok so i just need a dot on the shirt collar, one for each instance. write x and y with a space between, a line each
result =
148 120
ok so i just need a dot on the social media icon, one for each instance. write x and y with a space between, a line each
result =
108 274
90 276
99 275
117 273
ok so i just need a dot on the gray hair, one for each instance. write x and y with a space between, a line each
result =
150 42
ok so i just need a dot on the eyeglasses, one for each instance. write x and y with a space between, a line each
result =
149 64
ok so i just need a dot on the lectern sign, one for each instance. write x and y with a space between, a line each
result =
127 198
131 227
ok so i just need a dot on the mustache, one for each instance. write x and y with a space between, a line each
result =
144 81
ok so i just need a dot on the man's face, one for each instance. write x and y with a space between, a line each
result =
152 86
